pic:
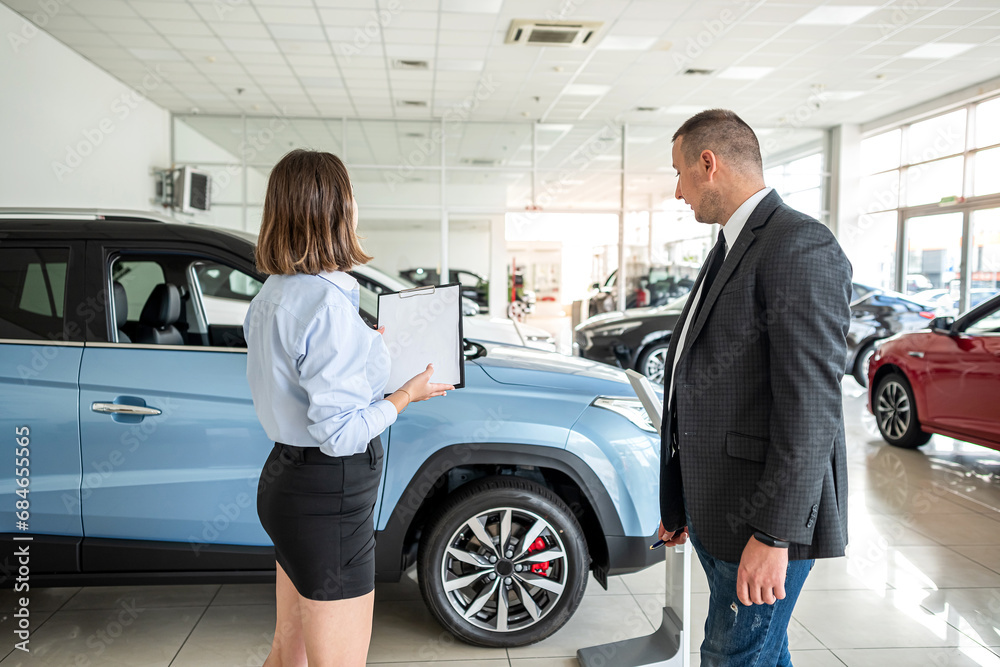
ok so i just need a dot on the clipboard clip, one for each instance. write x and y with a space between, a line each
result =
423 290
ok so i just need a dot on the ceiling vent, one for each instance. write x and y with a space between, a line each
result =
480 162
552 33
415 104
692 71
409 64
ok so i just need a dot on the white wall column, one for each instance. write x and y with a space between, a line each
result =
845 180
498 266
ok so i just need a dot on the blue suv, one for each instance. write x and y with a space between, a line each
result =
123 383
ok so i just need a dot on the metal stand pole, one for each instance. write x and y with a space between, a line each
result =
670 644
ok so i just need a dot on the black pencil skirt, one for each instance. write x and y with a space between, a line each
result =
318 511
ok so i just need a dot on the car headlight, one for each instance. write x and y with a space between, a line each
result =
617 329
629 408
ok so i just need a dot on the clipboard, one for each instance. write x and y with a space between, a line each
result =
423 325
647 396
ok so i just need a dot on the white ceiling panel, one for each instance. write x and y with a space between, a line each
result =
339 54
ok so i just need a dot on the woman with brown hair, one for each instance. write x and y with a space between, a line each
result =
317 374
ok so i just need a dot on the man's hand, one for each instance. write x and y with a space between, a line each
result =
672 539
761 576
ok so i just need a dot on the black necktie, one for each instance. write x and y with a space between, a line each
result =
718 257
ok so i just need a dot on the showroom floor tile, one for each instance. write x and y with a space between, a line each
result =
920 586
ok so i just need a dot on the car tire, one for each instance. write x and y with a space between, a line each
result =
508 607
652 362
896 413
861 364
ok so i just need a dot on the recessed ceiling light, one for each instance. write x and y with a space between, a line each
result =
156 54
409 64
626 43
841 95
938 50
471 6
836 15
553 127
745 73
586 89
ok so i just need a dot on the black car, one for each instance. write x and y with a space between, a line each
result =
656 287
474 286
638 338
878 314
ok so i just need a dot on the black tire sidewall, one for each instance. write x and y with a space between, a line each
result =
859 373
487 494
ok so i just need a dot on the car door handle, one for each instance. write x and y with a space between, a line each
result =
918 355
122 409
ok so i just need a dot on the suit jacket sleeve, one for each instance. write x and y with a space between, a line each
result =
807 288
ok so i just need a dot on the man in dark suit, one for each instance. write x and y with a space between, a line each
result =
753 460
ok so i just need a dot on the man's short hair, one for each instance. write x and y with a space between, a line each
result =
725 134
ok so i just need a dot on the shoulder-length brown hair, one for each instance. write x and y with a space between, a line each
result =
308 220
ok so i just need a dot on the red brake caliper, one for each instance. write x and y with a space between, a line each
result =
539 568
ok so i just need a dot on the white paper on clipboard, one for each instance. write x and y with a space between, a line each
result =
647 396
423 325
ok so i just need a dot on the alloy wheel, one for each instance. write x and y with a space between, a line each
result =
504 569
893 410
654 366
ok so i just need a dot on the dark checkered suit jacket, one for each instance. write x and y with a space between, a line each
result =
759 416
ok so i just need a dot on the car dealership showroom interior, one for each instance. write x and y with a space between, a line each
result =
654 332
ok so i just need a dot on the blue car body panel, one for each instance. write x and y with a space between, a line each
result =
186 475
627 460
38 389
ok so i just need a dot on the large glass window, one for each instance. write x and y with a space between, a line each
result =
952 160
875 257
984 256
933 252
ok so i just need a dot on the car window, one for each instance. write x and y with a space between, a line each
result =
138 277
32 292
226 292
988 324
467 279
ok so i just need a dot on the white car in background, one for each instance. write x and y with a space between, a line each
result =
480 328
226 295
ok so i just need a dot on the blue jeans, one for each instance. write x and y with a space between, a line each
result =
739 636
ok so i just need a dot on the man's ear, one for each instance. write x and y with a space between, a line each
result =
709 164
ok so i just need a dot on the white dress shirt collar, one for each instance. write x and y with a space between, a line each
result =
344 281
347 284
738 220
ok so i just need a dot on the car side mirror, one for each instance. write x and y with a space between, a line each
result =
942 324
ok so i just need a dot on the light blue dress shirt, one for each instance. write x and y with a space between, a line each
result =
317 372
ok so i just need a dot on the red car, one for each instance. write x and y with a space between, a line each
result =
944 379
